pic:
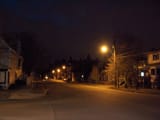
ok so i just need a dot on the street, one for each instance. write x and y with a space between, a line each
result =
83 102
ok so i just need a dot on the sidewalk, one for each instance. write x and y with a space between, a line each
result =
4 94
140 90
134 90
21 94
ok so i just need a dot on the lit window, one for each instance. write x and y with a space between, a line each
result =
142 74
82 76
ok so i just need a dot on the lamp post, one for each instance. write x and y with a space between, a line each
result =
64 72
58 73
104 49
115 66
53 73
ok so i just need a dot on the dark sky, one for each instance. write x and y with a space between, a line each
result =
77 27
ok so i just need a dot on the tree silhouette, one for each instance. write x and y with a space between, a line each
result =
127 50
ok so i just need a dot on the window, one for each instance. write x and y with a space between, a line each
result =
152 71
2 77
156 57
158 71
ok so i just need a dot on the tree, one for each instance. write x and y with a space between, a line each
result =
94 75
127 49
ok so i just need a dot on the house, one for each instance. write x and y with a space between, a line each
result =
154 67
10 65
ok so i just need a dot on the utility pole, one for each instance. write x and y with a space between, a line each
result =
115 64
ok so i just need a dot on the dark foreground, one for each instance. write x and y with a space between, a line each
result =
81 102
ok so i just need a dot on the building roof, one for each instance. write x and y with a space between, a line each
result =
5 45
153 50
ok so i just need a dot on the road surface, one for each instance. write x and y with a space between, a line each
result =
81 102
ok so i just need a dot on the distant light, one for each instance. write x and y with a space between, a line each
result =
53 71
82 76
65 79
142 74
63 67
46 77
58 70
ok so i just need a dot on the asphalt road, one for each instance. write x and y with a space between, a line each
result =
82 102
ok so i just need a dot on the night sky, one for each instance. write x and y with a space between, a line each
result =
76 27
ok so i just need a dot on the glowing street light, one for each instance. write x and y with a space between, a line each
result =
58 70
53 71
63 67
103 49
46 77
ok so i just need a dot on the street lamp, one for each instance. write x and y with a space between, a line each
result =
58 70
115 66
53 72
46 77
64 72
58 73
104 49
63 67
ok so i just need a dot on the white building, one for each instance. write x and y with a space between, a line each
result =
154 67
10 65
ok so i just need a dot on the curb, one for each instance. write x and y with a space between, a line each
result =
143 91
140 90
23 94
4 95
